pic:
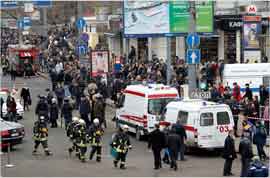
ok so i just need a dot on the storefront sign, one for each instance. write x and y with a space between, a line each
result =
237 23
251 9
179 16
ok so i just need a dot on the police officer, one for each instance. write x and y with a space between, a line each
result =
85 110
42 108
121 144
54 112
72 134
96 133
82 139
40 131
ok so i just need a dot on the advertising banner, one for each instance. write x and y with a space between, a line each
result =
204 16
251 35
100 60
179 16
146 17
163 18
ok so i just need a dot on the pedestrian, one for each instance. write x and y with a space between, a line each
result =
66 112
180 130
229 154
259 139
25 95
121 144
245 150
99 109
13 71
248 93
40 131
96 132
174 144
12 111
60 94
156 141
166 157
85 110
54 112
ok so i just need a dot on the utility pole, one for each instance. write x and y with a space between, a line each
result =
168 61
192 28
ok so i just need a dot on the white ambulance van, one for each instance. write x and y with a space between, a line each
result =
253 74
206 123
143 106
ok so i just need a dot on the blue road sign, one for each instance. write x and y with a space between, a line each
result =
20 24
81 50
193 56
42 3
85 37
193 40
27 22
80 23
9 4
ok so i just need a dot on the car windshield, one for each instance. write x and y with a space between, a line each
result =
156 106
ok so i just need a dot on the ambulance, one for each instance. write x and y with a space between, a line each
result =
206 123
143 106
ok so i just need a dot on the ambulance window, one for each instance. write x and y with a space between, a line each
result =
183 117
223 118
207 119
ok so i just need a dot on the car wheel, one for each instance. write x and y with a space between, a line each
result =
138 134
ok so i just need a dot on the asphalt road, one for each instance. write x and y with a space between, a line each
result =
139 160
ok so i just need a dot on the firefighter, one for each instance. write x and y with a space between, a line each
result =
121 144
40 131
96 133
42 108
81 139
72 134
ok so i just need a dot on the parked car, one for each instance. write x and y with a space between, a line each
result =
19 107
11 133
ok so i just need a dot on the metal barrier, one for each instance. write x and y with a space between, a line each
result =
9 164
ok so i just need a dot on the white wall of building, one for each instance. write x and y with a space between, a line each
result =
159 47
180 47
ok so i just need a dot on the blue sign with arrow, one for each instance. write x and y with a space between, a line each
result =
80 23
193 40
20 24
193 56
82 50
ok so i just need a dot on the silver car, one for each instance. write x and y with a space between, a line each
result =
12 133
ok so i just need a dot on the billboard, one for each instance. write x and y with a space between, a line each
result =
251 35
147 18
100 60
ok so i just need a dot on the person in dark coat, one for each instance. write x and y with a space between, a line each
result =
174 144
66 112
229 154
180 130
60 94
245 150
248 93
25 95
259 139
85 110
99 109
264 94
11 108
54 112
156 141
53 76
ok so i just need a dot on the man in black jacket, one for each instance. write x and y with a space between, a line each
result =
248 93
157 143
245 150
180 130
229 154
174 144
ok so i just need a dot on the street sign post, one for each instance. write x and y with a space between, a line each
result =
193 40
193 56
80 23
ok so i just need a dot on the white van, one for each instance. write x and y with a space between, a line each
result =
206 123
143 105
253 74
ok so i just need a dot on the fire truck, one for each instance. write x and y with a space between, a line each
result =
24 54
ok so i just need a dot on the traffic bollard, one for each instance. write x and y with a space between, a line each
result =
9 165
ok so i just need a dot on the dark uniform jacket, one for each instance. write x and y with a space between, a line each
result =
156 140
245 148
67 110
54 111
42 108
121 142
229 149
174 142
